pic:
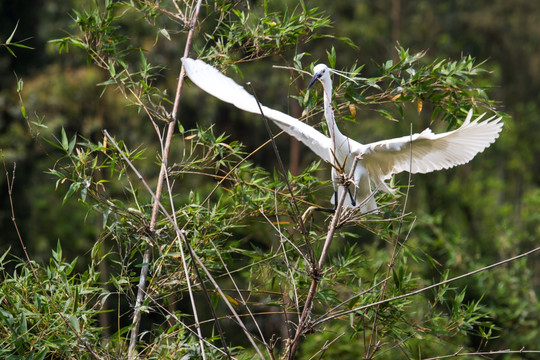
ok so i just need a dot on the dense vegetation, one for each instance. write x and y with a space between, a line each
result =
142 217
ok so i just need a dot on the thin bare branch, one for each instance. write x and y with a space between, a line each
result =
397 247
294 203
419 291
325 347
185 241
181 234
188 328
157 203
284 238
244 302
354 297
289 268
222 294
484 353
188 281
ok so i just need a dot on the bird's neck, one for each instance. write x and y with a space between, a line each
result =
335 134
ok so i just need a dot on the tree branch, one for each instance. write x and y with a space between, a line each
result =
316 271
164 163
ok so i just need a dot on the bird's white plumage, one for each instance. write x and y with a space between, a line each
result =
431 152
215 83
379 160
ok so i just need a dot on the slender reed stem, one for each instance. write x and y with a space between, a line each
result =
181 235
141 293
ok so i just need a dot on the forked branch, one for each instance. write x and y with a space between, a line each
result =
316 272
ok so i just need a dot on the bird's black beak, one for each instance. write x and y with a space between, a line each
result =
316 77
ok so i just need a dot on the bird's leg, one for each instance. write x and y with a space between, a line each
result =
353 197
357 174
346 180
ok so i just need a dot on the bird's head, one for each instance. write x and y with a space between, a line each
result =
319 72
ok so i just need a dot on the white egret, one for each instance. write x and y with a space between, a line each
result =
378 161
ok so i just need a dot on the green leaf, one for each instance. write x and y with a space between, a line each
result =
84 192
22 46
78 43
214 299
144 64
3 256
71 266
72 189
106 82
71 144
10 51
74 322
23 325
64 141
386 114
58 253
165 33
8 41
332 57
41 355
20 84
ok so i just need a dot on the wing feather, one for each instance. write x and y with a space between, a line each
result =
215 83
431 152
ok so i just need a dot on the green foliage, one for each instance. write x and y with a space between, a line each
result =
444 87
49 311
230 243
253 36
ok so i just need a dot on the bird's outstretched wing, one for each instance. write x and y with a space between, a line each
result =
215 83
430 151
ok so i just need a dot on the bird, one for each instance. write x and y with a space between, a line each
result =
375 162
